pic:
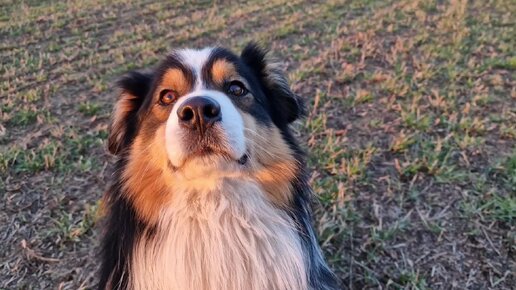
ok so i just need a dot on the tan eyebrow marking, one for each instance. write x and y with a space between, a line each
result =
176 80
222 70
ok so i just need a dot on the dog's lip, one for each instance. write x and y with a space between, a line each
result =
210 151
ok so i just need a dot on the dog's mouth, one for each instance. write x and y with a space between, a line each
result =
209 152
211 156
215 152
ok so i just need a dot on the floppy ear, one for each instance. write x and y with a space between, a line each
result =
285 105
134 87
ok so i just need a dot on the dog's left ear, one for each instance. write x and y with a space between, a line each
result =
134 87
286 106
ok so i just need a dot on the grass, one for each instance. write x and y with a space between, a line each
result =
410 129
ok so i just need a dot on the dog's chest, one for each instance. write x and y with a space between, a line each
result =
234 240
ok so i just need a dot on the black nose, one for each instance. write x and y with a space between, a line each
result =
199 113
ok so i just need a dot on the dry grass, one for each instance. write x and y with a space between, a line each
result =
411 129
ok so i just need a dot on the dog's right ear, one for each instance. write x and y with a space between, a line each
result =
134 86
286 106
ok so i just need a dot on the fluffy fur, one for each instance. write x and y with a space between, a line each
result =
213 239
226 209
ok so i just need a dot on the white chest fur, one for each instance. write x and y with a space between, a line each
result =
229 237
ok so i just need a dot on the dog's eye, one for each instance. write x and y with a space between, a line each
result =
237 89
167 97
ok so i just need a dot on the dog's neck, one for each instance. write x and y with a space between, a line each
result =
226 236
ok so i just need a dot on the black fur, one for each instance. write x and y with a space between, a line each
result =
122 230
137 84
320 276
122 227
275 103
285 106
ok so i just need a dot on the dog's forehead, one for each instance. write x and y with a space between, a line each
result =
203 64
195 59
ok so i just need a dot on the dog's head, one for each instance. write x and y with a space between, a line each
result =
201 116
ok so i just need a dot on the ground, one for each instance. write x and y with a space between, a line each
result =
411 129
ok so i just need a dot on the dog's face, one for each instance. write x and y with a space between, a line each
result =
201 116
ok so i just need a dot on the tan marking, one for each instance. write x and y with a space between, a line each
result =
123 107
146 176
175 79
222 70
273 162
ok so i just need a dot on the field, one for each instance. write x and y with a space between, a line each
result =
411 129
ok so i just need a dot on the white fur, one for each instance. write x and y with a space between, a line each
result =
228 236
196 59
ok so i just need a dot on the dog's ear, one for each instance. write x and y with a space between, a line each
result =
286 106
134 86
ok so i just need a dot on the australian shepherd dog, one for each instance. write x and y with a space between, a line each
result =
209 190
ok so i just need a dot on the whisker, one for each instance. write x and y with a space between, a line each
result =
256 134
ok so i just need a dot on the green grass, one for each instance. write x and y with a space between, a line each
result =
89 109
24 117
410 128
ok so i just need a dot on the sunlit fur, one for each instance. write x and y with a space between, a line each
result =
225 237
177 220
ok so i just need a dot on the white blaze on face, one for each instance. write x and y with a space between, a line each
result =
231 126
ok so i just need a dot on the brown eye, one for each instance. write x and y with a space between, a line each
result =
237 89
167 97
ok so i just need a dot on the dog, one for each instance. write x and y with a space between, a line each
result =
210 187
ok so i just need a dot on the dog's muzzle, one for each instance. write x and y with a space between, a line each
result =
205 124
